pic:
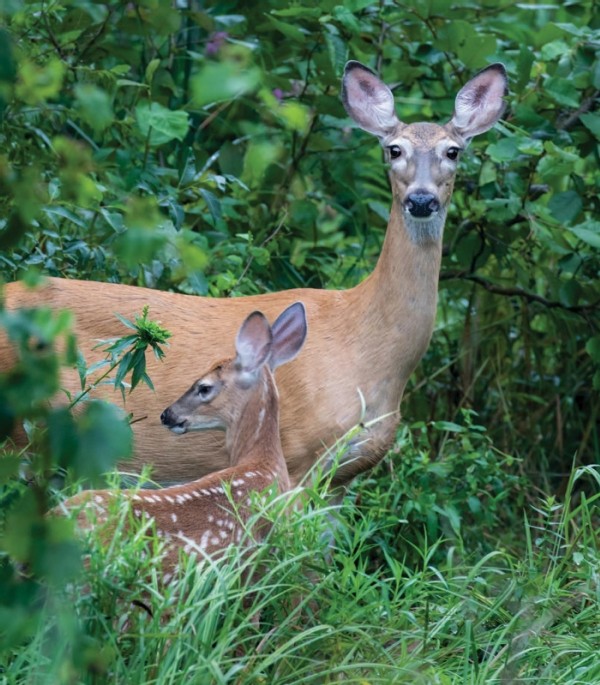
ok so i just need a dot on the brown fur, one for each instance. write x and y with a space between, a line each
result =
366 340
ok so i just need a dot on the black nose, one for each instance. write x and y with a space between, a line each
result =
166 418
421 204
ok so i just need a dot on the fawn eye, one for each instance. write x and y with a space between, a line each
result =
203 390
395 151
452 152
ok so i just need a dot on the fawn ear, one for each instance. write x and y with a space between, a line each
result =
368 100
289 334
479 103
252 346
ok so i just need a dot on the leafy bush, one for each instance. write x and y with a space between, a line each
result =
205 149
465 491
82 445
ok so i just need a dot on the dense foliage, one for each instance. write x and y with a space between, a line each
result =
202 147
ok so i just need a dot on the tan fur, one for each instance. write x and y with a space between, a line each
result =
365 341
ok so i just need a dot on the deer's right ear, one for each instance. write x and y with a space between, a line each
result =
368 100
253 345
289 334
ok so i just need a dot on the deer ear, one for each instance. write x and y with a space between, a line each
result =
289 334
479 104
253 345
368 100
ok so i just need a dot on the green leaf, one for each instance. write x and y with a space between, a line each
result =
289 30
62 436
592 347
504 150
592 122
223 81
38 83
562 91
150 69
565 207
589 232
104 438
95 106
163 124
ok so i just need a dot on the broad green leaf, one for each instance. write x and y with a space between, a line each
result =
104 438
592 122
504 150
589 232
562 91
565 207
223 81
95 106
592 347
161 123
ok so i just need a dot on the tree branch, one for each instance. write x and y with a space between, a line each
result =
516 292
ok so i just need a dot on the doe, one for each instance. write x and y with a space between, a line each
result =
237 395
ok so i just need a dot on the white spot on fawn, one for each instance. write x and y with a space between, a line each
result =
237 481
98 499
174 517
211 518
223 534
204 539
214 541
169 499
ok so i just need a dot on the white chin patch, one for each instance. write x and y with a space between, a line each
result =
425 229
180 430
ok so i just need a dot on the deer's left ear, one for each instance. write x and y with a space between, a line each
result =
479 104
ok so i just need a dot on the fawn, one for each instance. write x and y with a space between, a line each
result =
239 396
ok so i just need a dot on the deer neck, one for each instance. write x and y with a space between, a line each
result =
254 442
397 302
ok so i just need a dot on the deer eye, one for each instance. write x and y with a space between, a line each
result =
395 151
452 152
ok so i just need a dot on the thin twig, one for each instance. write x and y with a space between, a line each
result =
516 291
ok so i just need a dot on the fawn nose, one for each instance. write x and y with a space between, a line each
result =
421 204
167 418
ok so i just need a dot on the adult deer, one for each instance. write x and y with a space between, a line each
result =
364 342
239 396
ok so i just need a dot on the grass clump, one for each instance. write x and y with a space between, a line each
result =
383 604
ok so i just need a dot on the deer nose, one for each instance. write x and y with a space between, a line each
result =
421 204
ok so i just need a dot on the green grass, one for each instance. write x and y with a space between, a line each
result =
354 613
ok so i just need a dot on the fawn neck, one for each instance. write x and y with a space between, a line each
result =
253 441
